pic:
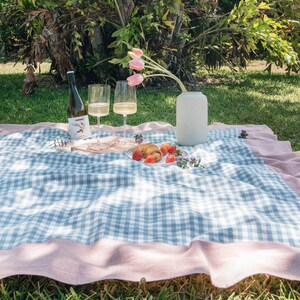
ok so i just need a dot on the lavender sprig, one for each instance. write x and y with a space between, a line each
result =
243 134
62 143
139 138
186 162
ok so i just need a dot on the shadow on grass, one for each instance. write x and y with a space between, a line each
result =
259 99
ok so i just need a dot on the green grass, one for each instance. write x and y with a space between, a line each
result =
250 98
187 287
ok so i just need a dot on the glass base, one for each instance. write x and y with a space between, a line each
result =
126 142
98 147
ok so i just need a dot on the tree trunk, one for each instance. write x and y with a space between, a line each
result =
126 7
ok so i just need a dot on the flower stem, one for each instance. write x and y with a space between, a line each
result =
182 87
119 13
151 64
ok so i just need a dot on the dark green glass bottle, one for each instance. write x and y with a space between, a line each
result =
79 126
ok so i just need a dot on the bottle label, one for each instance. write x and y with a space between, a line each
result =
79 128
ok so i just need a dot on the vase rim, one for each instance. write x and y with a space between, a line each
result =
187 92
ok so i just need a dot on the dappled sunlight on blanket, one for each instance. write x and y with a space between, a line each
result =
80 218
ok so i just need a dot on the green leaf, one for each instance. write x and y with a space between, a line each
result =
77 35
165 16
70 2
120 61
170 24
263 5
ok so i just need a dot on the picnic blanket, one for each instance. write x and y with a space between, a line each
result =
85 200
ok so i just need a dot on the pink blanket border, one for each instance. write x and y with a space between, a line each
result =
227 264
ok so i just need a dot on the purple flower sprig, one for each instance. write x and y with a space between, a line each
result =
243 134
62 143
139 138
186 162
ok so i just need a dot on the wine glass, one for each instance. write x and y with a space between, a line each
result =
125 102
98 98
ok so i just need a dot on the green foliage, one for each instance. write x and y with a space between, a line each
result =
134 33
287 12
11 30
60 30
185 36
253 26
210 39
232 39
227 5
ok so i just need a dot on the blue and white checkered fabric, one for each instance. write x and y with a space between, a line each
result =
46 194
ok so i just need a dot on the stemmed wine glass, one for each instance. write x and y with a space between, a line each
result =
98 97
125 102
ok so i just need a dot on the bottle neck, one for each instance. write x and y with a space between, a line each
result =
71 77
72 85
71 80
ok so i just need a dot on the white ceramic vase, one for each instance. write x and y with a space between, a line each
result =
191 118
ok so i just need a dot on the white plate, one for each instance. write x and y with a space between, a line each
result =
161 163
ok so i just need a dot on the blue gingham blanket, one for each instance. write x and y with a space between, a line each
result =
47 194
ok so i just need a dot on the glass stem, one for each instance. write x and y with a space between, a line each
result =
124 118
98 127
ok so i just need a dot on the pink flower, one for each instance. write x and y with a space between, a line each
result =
135 79
140 61
133 55
136 64
138 52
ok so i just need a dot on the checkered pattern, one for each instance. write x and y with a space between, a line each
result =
46 194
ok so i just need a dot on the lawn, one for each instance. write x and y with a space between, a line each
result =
244 98
248 98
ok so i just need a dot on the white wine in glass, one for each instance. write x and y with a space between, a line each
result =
125 101
126 108
98 109
99 97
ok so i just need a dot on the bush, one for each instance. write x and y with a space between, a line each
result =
184 36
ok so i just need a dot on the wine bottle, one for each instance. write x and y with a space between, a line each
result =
79 127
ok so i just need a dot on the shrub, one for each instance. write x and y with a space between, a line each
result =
184 36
